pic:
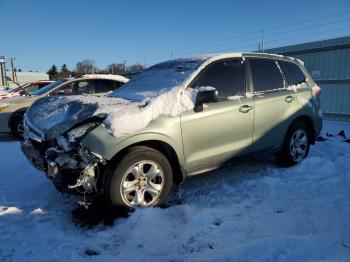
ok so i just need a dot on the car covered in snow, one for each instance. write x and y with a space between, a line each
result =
176 119
12 109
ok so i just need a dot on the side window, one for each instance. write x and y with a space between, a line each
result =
63 90
293 73
227 76
81 87
74 88
104 86
266 75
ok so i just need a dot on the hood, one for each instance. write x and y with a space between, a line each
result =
53 116
19 99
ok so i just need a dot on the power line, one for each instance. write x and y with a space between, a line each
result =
177 51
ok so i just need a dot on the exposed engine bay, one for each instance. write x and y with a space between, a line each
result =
68 164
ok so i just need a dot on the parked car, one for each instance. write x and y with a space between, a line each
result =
26 89
176 119
13 109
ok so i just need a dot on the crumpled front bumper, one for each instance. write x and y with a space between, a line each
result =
71 172
34 156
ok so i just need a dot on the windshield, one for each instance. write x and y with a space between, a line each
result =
48 87
19 88
158 79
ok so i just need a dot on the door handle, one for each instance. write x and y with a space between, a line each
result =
289 99
245 108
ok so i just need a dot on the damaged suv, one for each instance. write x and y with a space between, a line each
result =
176 119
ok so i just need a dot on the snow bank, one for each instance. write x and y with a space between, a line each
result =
254 211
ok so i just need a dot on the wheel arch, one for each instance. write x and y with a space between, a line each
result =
165 148
16 113
309 123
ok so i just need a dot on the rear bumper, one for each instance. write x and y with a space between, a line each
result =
318 123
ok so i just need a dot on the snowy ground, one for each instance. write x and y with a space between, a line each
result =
252 212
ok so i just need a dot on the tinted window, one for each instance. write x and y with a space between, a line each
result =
226 76
266 74
293 73
74 88
104 86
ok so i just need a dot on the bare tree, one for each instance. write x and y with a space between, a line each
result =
135 68
86 66
115 68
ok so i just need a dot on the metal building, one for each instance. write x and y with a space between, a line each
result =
328 61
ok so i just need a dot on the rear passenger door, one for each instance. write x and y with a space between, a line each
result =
223 129
103 86
274 103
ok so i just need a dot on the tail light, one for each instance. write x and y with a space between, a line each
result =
316 92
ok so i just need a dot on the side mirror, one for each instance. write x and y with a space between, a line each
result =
207 96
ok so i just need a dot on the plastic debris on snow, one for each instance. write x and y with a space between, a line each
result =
9 211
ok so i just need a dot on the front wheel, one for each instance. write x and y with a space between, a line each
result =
17 127
142 178
296 145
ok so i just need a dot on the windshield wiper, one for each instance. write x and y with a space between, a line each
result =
21 87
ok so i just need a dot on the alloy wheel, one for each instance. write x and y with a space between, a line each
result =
142 184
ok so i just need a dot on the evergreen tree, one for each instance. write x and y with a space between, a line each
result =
53 74
65 72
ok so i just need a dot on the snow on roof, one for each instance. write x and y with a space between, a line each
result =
107 76
216 56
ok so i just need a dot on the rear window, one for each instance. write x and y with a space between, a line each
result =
293 73
266 75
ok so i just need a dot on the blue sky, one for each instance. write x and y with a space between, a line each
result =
42 33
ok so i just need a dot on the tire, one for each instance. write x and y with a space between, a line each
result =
17 127
142 178
296 145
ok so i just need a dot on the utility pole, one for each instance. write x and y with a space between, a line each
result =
145 62
124 65
13 69
262 40
172 55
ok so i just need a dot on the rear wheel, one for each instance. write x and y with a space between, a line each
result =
296 145
17 127
142 178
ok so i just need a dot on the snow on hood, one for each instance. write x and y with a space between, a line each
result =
130 119
56 115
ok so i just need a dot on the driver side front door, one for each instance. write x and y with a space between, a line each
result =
222 130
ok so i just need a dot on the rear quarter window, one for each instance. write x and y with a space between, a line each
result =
292 72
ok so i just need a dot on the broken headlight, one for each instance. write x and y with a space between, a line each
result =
69 139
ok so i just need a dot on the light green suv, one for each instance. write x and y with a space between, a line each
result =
176 119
